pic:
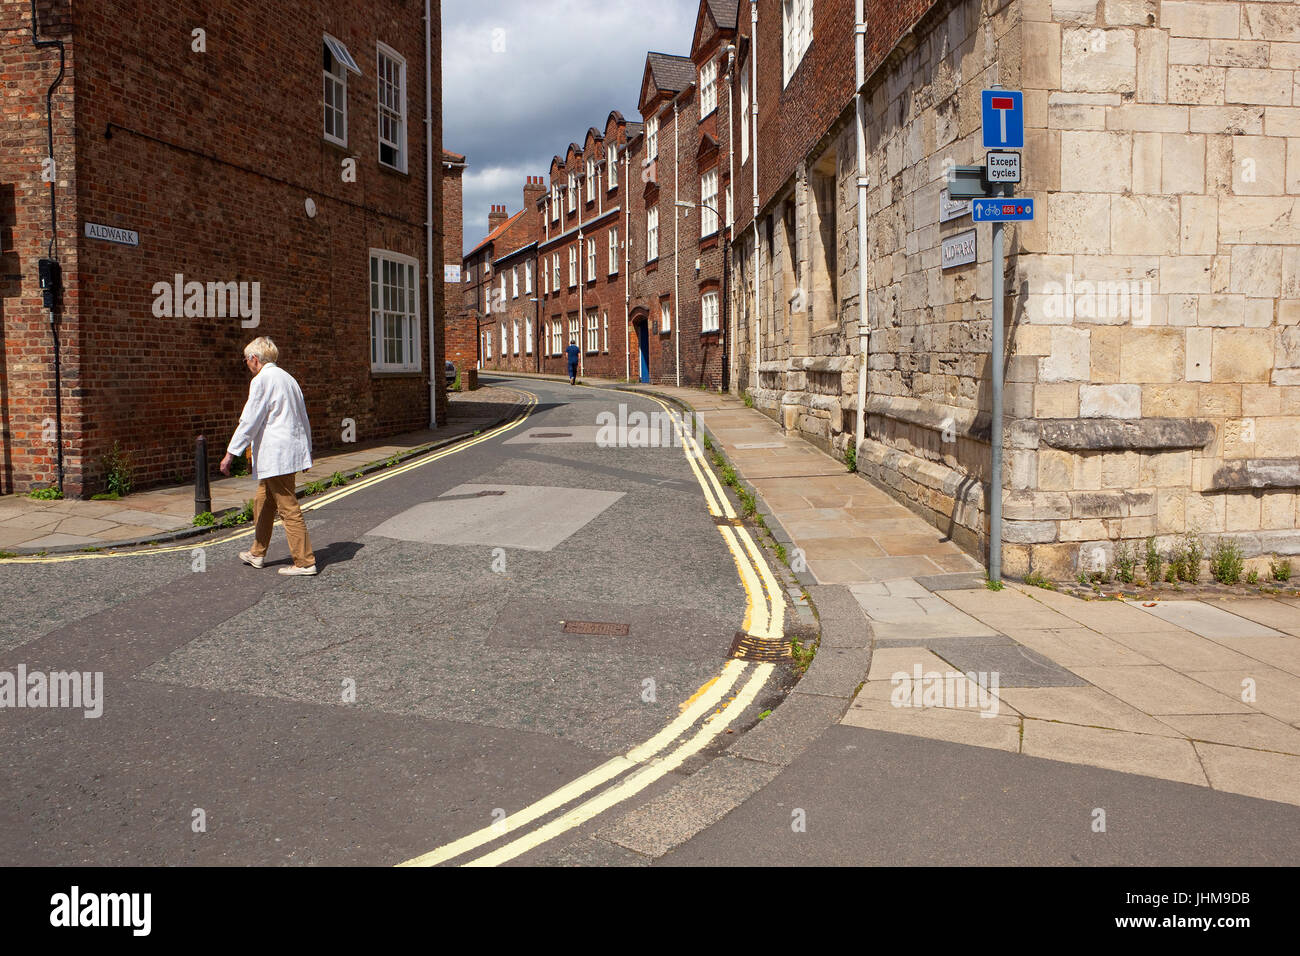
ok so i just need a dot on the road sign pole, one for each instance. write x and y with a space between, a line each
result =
995 489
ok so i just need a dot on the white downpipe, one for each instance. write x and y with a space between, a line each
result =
677 305
731 213
582 315
435 373
753 132
627 265
864 310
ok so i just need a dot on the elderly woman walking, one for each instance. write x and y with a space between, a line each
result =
274 422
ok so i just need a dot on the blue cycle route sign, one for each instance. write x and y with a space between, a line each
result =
1000 209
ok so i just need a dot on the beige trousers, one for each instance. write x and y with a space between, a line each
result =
275 496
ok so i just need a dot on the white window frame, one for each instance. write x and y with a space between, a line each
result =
514 335
591 179
555 273
528 336
528 278
613 251
611 164
728 209
575 331
503 290
652 234
410 314
514 282
591 258
338 83
796 34
593 331
665 314
555 201
709 312
573 265
546 276
487 344
708 87
385 52
652 137
709 194
504 341
557 337
606 329
573 192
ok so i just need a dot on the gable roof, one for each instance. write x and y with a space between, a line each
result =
671 73
726 13
491 236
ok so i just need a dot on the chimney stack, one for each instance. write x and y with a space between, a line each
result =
496 217
534 190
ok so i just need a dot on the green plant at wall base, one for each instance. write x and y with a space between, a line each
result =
708 445
1252 577
779 548
117 471
1154 562
1036 580
1195 551
204 520
749 400
106 496
993 585
45 494
1226 562
1125 562
851 457
239 468
728 475
1280 568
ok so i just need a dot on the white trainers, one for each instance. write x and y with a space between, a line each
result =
251 559
294 569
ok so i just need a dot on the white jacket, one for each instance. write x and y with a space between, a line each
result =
274 422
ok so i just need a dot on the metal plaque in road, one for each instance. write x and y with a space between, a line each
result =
1003 114
1002 210
959 250
1002 167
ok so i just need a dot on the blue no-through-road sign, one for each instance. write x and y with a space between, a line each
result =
1003 118
1001 209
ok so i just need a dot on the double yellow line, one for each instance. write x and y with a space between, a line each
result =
311 505
648 762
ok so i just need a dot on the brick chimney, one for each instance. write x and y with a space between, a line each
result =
496 217
534 189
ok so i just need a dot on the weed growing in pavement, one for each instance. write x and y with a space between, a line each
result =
1125 562
45 494
1280 568
801 653
117 471
356 476
315 487
1154 562
779 548
337 480
1226 562
106 496
204 520
764 715
1037 580
749 400
708 445
1195 551
8 554
239 517
993 585
392 462
1252 577
728 475
851 457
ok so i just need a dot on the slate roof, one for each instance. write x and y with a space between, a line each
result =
725 12
671 73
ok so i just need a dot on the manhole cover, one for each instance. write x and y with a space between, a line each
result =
748 648
551 435
604 628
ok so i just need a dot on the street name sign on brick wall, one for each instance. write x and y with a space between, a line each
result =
123 237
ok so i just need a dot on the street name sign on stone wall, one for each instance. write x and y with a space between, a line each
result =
950 208
959 250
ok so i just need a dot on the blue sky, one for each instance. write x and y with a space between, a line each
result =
516 90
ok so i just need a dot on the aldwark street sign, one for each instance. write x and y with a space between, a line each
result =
959 250
124 237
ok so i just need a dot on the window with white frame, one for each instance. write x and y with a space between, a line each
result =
727 211
573 192
338 61
652 234
392 109
487 299
555 272
555 201
573 330
528 278
591 179
514 282
593 331
744 113
611 165
665 315
546 275
613 250
708 88
709 203
528 336
796 33
502 300
394 312
709 312
504 343
652 137
557 338
487 344
591 258
514 330
605 328
573 266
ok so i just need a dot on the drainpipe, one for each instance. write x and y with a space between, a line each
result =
677 304
435 373
582 316
627 262
728 335
753 169
864 309
52 295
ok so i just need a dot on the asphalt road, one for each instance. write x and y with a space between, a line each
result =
417 690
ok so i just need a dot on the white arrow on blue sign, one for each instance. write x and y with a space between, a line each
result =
1002 210
1003 114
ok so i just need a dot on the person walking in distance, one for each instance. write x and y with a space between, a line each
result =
572 352
274 423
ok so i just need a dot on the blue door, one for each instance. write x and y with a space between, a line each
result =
643 346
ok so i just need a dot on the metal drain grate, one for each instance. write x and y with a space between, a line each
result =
604 628
748 648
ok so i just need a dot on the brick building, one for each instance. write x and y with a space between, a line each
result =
1152 361
461 343
485 293
248 171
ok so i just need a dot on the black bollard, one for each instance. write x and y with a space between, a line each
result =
202 495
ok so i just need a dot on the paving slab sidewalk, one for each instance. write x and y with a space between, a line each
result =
28 524
1202 692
